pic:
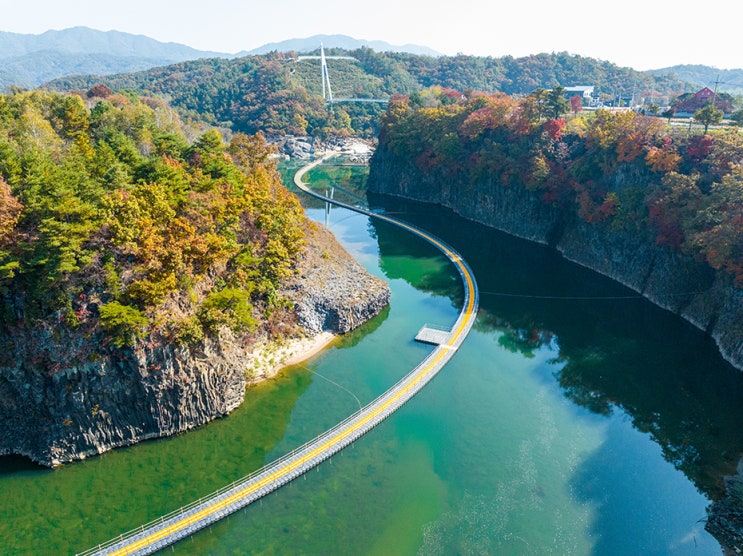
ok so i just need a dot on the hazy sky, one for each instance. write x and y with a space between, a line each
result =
643 34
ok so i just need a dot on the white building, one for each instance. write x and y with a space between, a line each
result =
585 91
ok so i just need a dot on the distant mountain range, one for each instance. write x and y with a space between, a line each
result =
32 69
30 60
339 41
726 81
83 40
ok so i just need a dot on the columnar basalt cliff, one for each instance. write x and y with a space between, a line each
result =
65 395
689 288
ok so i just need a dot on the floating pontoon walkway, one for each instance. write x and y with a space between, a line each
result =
187 520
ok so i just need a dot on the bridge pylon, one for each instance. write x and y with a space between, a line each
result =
325 77
327 90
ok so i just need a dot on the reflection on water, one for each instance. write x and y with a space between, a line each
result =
559 426
614 351
76 506
349 182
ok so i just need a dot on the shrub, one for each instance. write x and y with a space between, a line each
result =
187 331
230 307
123 323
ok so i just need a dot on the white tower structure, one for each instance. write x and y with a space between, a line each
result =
325 76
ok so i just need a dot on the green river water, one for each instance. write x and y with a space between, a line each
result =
575 419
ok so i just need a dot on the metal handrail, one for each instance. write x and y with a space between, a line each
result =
399 394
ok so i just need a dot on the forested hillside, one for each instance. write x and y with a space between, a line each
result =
725 80
278 94
110 218
147 279
622 171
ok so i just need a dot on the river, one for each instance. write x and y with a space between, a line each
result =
576 418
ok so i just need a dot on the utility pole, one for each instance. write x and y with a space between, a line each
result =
714 94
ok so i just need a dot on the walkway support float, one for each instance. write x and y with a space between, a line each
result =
185 521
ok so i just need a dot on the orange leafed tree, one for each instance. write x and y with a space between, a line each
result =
10 211
662 160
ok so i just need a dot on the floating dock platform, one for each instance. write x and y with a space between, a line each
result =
431 334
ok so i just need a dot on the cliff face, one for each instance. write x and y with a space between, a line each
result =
332 292
65 396
678 283
55 408
725 520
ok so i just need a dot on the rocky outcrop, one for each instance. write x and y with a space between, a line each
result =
691 289
333 292
62 399
300 148
66 395
303 148
725 520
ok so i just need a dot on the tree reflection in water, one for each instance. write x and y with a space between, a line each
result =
614 349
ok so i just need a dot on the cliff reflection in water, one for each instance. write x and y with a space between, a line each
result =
59 511
616 349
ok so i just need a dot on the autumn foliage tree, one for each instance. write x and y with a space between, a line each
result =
576 104
619 169
108 216
10 212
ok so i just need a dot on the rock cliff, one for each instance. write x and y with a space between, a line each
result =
332 292
706 298
691 289
725 519
66 395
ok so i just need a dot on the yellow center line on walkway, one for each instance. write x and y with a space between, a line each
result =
279 473
357 423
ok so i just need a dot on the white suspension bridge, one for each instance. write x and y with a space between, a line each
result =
327 90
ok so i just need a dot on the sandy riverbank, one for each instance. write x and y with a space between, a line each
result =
268 359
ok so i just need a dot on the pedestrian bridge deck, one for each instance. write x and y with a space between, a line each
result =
185 521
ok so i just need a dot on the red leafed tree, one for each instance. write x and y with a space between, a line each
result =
576 104
495 112
554 127
699 147
99 90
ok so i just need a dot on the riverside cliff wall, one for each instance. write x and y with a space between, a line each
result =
689 288
65 395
